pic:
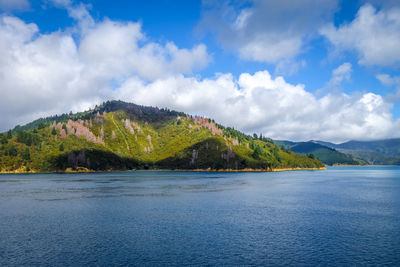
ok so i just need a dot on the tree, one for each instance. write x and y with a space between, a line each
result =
257 152
41 125
255 136
53 132
28 138
311 156
251 144
275 151
9 134
12 151
26 154
179 122
61 147
3 139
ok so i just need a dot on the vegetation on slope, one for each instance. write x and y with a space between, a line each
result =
378 152
326 154
119 136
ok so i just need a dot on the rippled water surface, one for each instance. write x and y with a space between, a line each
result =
341 216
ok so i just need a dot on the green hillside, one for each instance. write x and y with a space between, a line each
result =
378 152
120 136
373 157
326 154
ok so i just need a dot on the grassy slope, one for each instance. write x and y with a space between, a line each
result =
173 142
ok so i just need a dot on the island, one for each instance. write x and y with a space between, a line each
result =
124 136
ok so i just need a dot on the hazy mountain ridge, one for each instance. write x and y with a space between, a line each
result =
378 152
119 135
327 155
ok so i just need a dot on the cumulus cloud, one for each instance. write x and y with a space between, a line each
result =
388 80
42 74
8 5
340 74
373 34
259 103
266 31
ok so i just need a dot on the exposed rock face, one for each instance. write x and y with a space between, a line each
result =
195 155
99 118
151 148
128 126
137 126
63 133
235 142
78 129
207 124
131 126
228 155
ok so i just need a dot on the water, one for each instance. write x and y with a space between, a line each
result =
342 216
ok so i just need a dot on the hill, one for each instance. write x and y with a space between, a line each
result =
327 155
378 152
118 136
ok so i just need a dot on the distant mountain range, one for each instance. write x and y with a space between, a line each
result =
327 155
119 136
377 152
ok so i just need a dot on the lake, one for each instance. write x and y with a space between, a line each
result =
341 216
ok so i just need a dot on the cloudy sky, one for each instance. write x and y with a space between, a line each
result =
297 70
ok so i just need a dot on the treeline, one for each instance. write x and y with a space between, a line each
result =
92 159
145 113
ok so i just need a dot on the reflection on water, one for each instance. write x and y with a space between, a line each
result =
342 216
138 184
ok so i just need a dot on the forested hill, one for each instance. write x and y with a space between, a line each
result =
379 152
120 136
326 154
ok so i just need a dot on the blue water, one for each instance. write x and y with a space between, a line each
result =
341 216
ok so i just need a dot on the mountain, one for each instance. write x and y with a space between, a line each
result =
326 154
378 152
119 136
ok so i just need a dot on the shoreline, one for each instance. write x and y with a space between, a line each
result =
252 170
349 165
84 170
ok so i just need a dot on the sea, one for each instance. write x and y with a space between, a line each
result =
336 217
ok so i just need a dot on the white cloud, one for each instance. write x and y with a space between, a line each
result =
373 34
259 103
44 74
388 80
267 31
340 74
8 5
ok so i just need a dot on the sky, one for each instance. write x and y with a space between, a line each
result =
296 70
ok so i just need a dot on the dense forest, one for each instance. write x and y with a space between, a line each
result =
122 136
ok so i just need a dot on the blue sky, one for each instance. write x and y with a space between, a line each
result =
290 70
